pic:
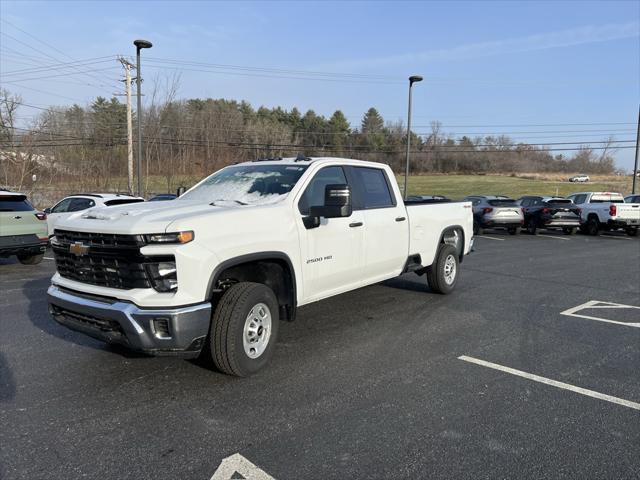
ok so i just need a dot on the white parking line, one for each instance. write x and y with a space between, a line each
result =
49 258
554 236
573 312
236 466
553 383
616 238
490 238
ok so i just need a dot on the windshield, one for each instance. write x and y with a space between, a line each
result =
247 185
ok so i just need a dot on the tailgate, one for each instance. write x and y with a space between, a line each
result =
628 211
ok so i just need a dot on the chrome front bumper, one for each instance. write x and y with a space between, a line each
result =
173 331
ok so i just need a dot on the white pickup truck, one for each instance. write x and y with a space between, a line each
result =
606 211
214 271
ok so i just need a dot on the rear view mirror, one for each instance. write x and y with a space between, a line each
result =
180 191
47 210
337 204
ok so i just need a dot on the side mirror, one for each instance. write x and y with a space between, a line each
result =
180 191
47 210
337 204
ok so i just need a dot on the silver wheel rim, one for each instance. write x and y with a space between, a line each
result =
257 331
449 269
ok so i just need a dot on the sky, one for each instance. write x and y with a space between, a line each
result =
540 71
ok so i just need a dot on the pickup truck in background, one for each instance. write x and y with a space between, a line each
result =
214 271
606 211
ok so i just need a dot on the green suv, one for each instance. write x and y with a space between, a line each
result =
23 229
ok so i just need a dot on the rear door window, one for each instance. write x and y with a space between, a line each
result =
78 204
14 203
373 188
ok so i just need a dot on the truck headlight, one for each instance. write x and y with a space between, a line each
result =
175 237
163 276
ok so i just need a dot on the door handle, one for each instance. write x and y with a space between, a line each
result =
400 219
17 217
356 224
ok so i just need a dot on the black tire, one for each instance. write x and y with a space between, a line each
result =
532 227
569 230
436 272
593 226
632 231
513 230
476 228
30 259
227 329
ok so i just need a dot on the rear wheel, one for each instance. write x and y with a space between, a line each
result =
513 230
569 230
532 227
442 275
30 259
632 231
476 228
244 329
593 226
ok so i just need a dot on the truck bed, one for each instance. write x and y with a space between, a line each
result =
428 217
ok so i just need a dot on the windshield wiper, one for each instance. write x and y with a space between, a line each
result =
224 200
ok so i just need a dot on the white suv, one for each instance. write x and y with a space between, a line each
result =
84 201
581 178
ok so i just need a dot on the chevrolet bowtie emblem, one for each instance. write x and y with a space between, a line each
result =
79 249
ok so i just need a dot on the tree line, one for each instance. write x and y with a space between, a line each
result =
86 145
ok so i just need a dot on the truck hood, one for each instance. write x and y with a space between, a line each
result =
137 218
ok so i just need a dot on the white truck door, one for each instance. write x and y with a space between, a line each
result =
331 254
386 242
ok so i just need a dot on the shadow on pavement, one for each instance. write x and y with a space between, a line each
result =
7 382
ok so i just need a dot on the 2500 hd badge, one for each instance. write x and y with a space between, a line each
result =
319 259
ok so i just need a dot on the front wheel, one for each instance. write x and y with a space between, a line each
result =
30 259
442 275
513 230
244 329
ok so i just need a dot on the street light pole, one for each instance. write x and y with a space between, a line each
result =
412 79
635 165
140 44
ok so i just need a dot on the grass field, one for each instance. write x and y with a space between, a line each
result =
458 186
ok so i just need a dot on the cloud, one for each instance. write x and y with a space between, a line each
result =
541 41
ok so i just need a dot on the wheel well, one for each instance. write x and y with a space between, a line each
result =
454 236
275 273
593 215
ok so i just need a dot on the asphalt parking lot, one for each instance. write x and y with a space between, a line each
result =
369 384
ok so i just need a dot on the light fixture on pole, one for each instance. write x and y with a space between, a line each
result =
140 44
412 79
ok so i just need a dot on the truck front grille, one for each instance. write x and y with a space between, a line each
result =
107 260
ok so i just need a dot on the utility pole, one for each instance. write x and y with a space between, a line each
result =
635 165
127 81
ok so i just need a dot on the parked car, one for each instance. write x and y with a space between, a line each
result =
495 211
84 201
606 211
23 229
549 213
163 196
632 199
580 178
214 271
